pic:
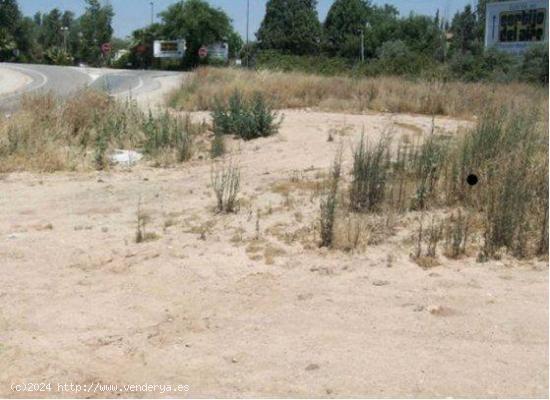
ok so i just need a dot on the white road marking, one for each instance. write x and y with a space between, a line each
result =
28 70
25 88
131 90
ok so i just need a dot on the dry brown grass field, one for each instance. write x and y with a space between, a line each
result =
343 256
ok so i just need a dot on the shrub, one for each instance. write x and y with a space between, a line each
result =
329 203
428 165
457 234
248 119
369 175
322 65
226 185
534 65
166 133
508 150
395 58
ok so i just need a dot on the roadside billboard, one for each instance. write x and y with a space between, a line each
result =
171 49
513 26
219 51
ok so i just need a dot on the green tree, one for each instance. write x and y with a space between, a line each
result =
465 31
10 18
10 15
198 23
50 32
291 26
96 28
421 34
345 22
235 44
383 24
141 47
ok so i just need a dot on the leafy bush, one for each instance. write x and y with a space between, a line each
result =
534 66
395 58
322 65
248 119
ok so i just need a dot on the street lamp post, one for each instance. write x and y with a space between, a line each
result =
65 31
152 12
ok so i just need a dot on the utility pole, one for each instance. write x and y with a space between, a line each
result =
152 12
362 45
247 29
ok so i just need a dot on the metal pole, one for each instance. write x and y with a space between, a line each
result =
152 12
247 30
362 45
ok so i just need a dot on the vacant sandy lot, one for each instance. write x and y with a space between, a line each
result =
246 304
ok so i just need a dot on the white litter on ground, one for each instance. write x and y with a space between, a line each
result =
126 157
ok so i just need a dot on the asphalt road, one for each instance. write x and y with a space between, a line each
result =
63 81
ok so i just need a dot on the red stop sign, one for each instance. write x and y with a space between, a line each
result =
106 47
203 52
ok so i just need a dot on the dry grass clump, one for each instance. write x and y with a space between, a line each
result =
507 211
389 94
49 134
226 181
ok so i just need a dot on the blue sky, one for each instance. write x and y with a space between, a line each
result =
133 14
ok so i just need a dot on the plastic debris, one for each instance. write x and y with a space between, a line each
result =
126 157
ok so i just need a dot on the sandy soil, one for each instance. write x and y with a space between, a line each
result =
241 305
11 81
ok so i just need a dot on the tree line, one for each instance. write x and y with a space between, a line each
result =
357 35
55 37
375 40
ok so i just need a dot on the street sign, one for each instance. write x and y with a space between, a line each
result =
106 48
141 48
203 52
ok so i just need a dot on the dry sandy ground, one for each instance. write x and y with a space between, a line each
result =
210 305
11 81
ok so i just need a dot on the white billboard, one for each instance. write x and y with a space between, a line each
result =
513 26
219 51
174 49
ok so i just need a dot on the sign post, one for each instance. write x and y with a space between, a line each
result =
106 48
203 52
